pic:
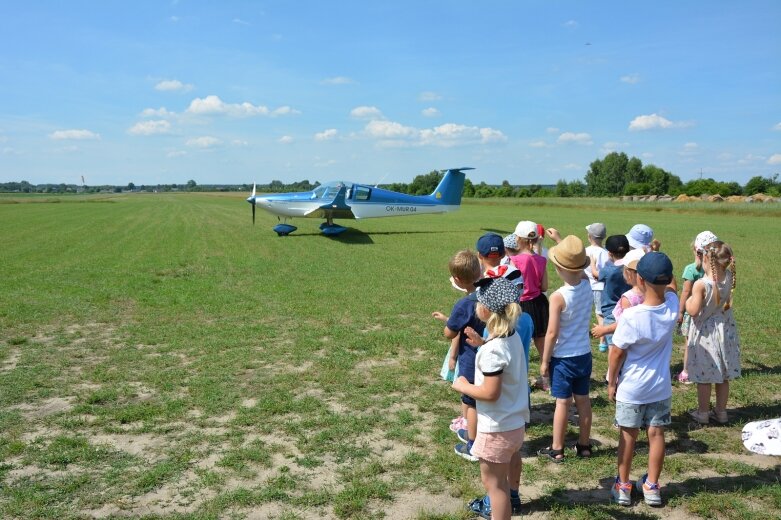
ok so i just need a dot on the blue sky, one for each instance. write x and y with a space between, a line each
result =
528 91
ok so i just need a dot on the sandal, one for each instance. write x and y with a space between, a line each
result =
553 455
481 507
718 417
584 451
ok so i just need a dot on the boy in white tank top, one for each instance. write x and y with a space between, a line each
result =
567 355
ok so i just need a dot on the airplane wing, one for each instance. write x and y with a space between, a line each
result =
337 208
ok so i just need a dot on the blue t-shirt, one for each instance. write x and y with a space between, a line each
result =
615 286
463 316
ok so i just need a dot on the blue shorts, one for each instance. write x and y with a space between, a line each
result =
655 414
570 375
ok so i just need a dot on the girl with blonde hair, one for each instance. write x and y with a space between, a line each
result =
714 345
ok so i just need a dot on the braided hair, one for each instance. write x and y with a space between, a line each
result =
721 254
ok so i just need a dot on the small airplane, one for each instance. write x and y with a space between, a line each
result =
342 200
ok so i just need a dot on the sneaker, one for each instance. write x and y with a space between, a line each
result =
463 435
481 507
515 504
603 347
699 417
621 493
718 417
651 493
465 450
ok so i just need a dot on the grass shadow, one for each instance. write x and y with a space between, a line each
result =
760 369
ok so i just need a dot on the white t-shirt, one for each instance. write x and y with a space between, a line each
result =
503 356
645 332
602 258
574 339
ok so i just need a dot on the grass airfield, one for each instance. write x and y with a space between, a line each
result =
160 357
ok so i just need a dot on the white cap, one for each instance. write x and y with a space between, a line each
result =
526 229
632 257
704 239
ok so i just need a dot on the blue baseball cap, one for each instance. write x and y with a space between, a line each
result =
655 268
490 245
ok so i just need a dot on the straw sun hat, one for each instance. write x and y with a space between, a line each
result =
569 254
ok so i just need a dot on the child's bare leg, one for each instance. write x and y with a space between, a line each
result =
560 423
494 478
626 450
655 453
471 422
516 465
703 397
583 403
685 359
540 344
722 394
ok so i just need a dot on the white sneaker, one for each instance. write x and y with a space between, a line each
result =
621 493
651 493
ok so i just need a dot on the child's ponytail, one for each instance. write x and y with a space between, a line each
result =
728 303
721 255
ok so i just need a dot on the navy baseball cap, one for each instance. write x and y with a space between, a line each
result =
655 268
490 245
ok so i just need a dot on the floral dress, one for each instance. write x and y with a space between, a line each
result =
714 346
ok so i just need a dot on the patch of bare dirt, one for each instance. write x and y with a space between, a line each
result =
11 361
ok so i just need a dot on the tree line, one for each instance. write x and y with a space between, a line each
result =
614 175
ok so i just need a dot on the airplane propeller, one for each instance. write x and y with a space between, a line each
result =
253 203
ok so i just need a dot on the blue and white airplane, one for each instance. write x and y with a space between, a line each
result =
339 199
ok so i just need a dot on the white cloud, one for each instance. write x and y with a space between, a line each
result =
364 112
689 149
157 112
571 24
631 78
613 146
725 156
571 137
203 142
173 85
751 158
777 128
78 135
654 121
285 111
647 155
160 126
213 105
538 144
429 96
285 139
240 21
337 80
390 130
430 112
240 142
326 135
552 130
175 153
775 159
490 135
572 166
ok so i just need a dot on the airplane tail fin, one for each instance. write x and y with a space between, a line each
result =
450 187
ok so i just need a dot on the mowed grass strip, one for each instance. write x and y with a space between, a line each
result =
161 356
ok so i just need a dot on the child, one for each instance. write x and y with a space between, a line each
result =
510 248
535 283
599 258
567 355
539 245
465 270
642 391
633 296
714 347
612 275
691 273
501 392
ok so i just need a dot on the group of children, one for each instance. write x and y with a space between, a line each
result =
630 285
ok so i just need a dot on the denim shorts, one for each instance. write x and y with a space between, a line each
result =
608 320
570 375
644 415
597 302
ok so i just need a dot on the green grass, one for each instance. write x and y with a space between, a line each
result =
159 348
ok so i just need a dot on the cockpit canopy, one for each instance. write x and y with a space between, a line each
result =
329 190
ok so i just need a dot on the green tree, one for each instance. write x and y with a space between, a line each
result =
425 184
191 184
562 189
469 189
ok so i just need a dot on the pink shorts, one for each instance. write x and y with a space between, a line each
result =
498 447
